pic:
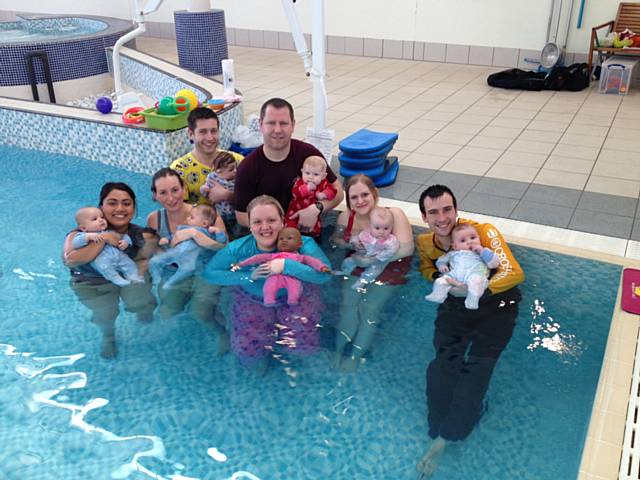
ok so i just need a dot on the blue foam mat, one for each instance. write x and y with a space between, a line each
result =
366 163
370 171
382 176
366 141
388 177
382 152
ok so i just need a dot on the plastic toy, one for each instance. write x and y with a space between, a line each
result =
183 104
189 95
132 115
167 106
215 104
104 105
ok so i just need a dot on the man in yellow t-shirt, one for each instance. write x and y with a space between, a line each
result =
467 342
204 134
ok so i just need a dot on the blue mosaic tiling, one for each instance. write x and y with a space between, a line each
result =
135 149
150 81
202 40
68 59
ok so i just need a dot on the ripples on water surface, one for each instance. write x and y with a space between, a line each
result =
169 408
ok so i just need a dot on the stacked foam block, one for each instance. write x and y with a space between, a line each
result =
366 151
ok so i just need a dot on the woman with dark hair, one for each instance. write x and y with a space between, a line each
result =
361 309
167 188
118 204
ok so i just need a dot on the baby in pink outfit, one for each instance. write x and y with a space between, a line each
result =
375 247
289 242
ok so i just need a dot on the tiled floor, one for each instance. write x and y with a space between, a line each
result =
561 159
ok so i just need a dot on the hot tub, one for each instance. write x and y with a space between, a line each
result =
74 48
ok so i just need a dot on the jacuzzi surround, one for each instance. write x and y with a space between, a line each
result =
69 58
105 138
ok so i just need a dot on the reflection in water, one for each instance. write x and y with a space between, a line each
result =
33 368
546 333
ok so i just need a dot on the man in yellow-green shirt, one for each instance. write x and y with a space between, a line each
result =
204 134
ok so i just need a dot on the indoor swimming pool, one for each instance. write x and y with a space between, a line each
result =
169 408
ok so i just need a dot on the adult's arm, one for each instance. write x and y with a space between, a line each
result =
307 217
217 193
201 238
147 250
75 257
245 189
337 237
218 271
509 272
428 254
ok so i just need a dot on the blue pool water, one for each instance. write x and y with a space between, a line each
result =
167 407
48 29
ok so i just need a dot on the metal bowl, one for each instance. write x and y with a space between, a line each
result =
550 55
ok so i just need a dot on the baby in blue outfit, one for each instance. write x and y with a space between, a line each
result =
112 263
467 264
186 253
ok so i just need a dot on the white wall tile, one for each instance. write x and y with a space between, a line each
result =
435 52
407 50
270 39
480 55
372 47
335 44
256 38
457 54
354 46
505 57
392 48
285 41
231 36
418 50
242 37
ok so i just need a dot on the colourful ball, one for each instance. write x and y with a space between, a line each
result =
189 95
104 105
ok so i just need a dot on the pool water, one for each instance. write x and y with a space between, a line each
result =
48 29
169 408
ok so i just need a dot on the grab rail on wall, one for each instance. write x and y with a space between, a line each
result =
31 73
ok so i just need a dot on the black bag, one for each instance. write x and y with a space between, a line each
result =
573 78
517 79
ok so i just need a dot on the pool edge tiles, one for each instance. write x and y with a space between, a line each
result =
603 447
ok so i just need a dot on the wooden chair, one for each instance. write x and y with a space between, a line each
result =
628 16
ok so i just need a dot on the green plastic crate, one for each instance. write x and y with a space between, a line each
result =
165 122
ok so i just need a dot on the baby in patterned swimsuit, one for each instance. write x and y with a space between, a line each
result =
375 247
224 174
467 264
